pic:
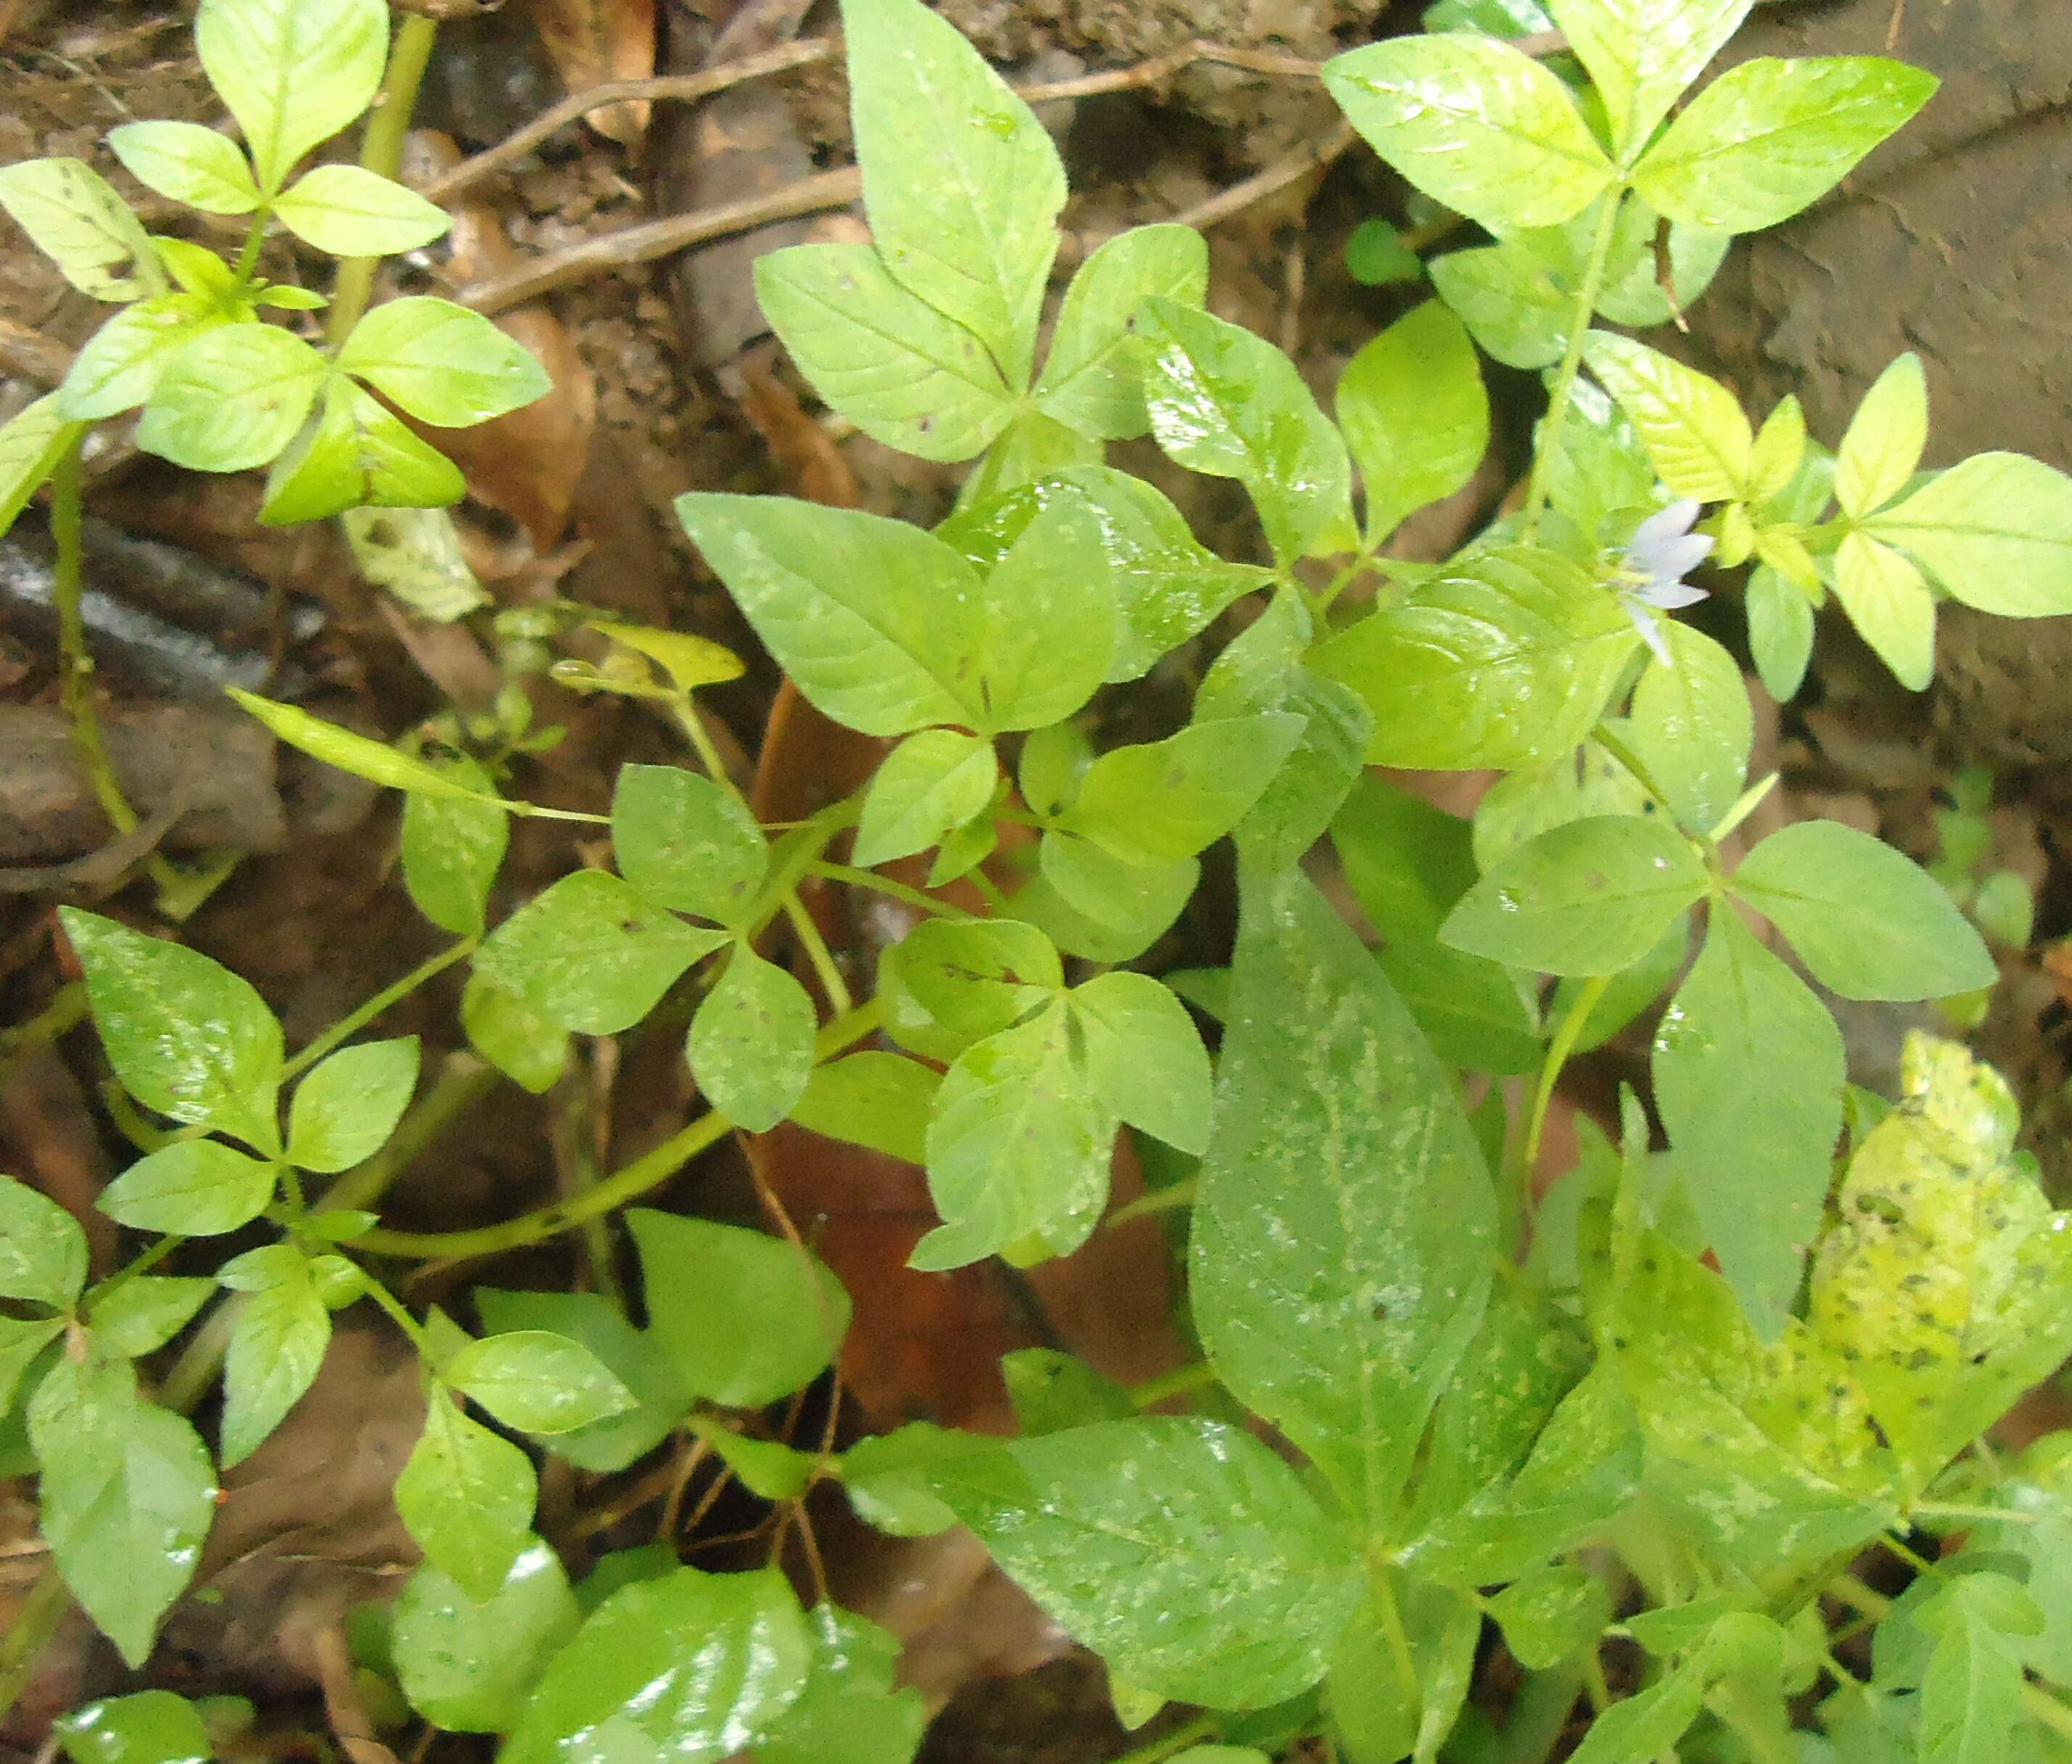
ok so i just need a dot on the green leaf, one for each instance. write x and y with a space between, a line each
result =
1695 430
122 362
537 1381
358 454
1551 1614
950 982
145 1312
186 1037
1691 726
1971 1693
467 1665
875 1099
1093 379
1097 906
1227 402
885 1477
1184 1551
73 216
466 1497
962 185
527 1047
355 753
128 1495
1018 1146
1050 621
188 163
415 554
751 1042
293 72
1642 55
1475 125
1882 450
1377 255
1511 298
883 357
1052 1391
1947 1275
1771 138
1166 800
930 784
1415 415
452 850
150 1727
233 399
631 1355
1590 897
1870 923
761 1318
686 842
43 1251
1890 603
1145 1057
32 442
350 211
1748 1073
1509 658
277 1348
768 1468
1341 1245
441 363
191 1189
344 1110
848 1709
689 1666
1381 1711
1780 623
1996 531
592 953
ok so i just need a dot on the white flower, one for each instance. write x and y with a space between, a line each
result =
1661 552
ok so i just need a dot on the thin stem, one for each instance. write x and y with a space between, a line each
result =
884 885
122 1276
819 954
1398 1637
1992 1515
1166 1200
1202 1727
1176 1383
381 150
36 1622
1558 1051
615 1191
399 1314
64 1013
1572 363
347 1026
255 238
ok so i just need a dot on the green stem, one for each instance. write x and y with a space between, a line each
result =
884 885
615 1191
35 1621
381 150
1176 1383
399 1314
1166 1200
64 1013
1383 1595
347 1026
463 1082
255 238
142 1264
1992 1515
1572 363
1558 1051
1202 1727
76 677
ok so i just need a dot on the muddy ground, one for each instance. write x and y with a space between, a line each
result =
1953 241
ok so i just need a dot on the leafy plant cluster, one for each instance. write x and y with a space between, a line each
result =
1643 1428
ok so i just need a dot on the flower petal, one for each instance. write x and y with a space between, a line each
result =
1670 595
1650 632
1669 523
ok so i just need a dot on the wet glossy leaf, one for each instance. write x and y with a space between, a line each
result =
1748 1073
1642 54
1947 1278
1508 659
191 1189
277 1348
1771 138
876 1099
32 443
128 1495
72 214
1870 922
1092 379
293 72
1695 430
352 212
1145 1057
1341 1254
43 1251
1551 1614
358 454
1166 800
452 850
344 1112
751 1042
930 784
1996 531
467 1665
1691 726
1589 897
145 1312
686 842
592 953
761 1318
633 1356
1473 123
899 370
1184 1551
1415 415
690 1666
186 1037
537 1381
1882 450
466 1497
962 185
150 1727
122 362
441 363
848 1709
188 163
1890 603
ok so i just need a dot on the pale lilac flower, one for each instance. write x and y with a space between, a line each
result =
1661 552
